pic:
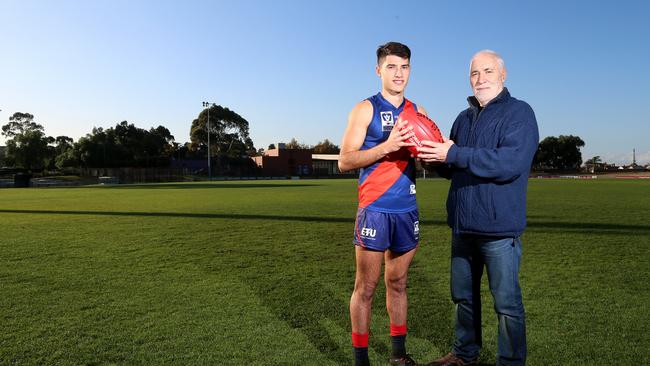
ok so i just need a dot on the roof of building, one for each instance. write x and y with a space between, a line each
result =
334 157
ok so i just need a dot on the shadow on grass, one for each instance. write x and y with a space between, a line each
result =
303 305
215 185
184 215
430 311
292 286
431 315
301 293
588 227
200 215
591 227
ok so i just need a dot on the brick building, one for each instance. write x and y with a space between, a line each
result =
299 162
284 162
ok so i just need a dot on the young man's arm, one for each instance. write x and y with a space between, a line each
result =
351 157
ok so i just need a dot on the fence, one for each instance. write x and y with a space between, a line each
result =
138 175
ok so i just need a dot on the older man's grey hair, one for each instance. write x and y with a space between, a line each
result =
502 63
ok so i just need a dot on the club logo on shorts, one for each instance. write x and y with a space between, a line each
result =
367 232
416 227
412 189
387 121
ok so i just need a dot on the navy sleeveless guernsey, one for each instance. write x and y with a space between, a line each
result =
388 185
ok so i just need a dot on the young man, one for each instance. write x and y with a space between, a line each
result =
488 160
386 228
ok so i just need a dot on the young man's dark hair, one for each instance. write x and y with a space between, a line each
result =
393 48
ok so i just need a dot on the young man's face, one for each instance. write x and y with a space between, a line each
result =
394 72
486 77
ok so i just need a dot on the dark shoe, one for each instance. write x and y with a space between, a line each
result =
402 361
451 360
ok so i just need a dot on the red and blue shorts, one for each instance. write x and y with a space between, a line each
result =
381 231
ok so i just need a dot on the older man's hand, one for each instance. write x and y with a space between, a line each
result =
434 152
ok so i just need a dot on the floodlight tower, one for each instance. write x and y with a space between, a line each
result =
209 105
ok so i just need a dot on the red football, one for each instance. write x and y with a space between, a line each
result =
423 129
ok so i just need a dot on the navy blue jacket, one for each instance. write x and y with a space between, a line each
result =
489 167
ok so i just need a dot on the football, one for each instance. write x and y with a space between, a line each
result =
423 129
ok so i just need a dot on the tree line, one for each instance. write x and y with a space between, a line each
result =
125 145
553 153
559 154
322 147
231 147
28 146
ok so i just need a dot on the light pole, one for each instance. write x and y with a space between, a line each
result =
209 105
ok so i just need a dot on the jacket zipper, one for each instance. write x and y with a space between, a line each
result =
471 141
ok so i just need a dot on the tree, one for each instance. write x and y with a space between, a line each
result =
229 139
19 123
326 147
64 155
595 160
294 144
593 164
161 144
145 148
559 153
27 145
63 143
125 145
271 147
97 149
90 150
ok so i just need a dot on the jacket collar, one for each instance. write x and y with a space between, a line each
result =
504 95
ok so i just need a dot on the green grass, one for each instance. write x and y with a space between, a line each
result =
260 273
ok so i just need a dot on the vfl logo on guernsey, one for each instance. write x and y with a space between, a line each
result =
387 121
368 232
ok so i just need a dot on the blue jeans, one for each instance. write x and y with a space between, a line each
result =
501 257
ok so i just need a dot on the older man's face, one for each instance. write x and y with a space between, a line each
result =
486 77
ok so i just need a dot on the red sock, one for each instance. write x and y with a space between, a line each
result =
359 340
397 330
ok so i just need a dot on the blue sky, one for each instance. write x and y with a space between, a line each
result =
296 68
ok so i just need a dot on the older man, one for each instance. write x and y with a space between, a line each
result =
488 159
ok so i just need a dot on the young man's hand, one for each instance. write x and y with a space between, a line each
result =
397 138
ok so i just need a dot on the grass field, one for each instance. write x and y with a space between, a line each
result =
260 273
